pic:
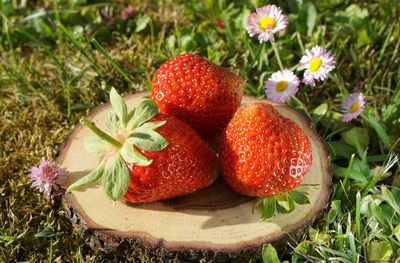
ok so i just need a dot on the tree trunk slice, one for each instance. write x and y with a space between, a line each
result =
211 225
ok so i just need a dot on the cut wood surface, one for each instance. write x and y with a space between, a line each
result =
212 225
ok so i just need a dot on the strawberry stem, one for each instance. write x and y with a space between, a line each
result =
102 135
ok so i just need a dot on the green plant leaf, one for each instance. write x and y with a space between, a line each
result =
388 197
396 232
319 112
141 22
318 237
146 110
91 177
95 146
116 179
269 254
119 106
285 203
379 251
150 126
334 211
306 19
299 197
47 232
380 131
148 140
331 150
357 137
131 155
112 121
342 149
269 208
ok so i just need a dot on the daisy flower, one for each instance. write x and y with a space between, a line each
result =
48 176
266 22
318 63
281 86
352 106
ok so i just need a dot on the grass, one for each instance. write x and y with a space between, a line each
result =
60 61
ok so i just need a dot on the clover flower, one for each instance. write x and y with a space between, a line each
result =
318 63
126 12
267 21
281 86
48 176
352 106
220 23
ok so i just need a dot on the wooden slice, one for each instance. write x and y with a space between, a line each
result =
212 225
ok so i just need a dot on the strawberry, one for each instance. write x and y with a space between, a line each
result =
198 92
263 153
149 156
184 166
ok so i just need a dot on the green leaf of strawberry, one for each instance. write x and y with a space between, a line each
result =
131 155
283 202
91 177
112 121
116 179
299 197
269 208
138 134
144 112
95 146
119 106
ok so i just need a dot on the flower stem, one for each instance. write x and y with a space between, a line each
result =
102 135
277 55
303 106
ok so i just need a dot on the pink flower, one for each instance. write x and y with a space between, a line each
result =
124 16
130 10
281 86
317 64
267 21
220 24
127 11
352 106
48 176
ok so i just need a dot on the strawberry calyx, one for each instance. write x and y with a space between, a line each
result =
129 131
283 202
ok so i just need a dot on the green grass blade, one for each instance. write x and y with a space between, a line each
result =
358 220
79 47
115 65
44 47
229 33
341 189
380 131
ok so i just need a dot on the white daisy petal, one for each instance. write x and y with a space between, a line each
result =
353 106
265 22
317 63
281 86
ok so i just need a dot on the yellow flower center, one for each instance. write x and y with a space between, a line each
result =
314 64
353 107
281 86
265 22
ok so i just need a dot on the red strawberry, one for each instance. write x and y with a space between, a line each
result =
198 92
184 166
149 156
263 153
